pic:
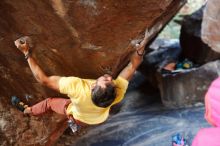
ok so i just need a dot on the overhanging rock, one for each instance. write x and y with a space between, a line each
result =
81 38
84 38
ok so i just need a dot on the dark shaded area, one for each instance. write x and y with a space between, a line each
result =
149 126
161 52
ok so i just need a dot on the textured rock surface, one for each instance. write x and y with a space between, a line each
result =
191 42
211 25
83 38
145 126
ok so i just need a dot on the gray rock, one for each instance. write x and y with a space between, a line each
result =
192 45
188 87
211 25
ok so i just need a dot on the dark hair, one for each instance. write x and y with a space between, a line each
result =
103 97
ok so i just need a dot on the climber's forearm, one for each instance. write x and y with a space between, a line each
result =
41 77
135 61
36 70
130 69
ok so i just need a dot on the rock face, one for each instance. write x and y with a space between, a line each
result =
191 42
83 38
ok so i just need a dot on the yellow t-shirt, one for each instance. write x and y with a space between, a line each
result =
81 106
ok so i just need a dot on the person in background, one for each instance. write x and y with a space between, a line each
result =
211 136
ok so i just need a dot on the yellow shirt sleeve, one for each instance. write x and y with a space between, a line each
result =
121 87
69 86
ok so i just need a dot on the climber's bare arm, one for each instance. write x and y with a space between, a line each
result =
49 81
136 59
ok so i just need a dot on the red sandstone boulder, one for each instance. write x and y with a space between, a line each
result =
84 38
